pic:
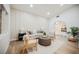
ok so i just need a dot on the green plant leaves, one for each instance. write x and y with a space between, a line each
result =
74 30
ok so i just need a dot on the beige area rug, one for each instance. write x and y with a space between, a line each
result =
68 48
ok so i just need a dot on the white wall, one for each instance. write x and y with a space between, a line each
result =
26 21
5 35
70 17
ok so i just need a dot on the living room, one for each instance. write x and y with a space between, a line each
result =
48 24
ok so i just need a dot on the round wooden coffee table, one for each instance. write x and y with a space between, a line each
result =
44 41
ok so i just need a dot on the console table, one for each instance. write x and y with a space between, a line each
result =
20 36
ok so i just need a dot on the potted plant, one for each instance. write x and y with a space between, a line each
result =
73 33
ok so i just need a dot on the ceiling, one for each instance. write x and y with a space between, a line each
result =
44 10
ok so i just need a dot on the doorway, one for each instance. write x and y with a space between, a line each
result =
60 27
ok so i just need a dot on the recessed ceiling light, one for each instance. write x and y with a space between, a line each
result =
48 13
61 4
31 5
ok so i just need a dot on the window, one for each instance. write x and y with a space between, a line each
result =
3 19
0 17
